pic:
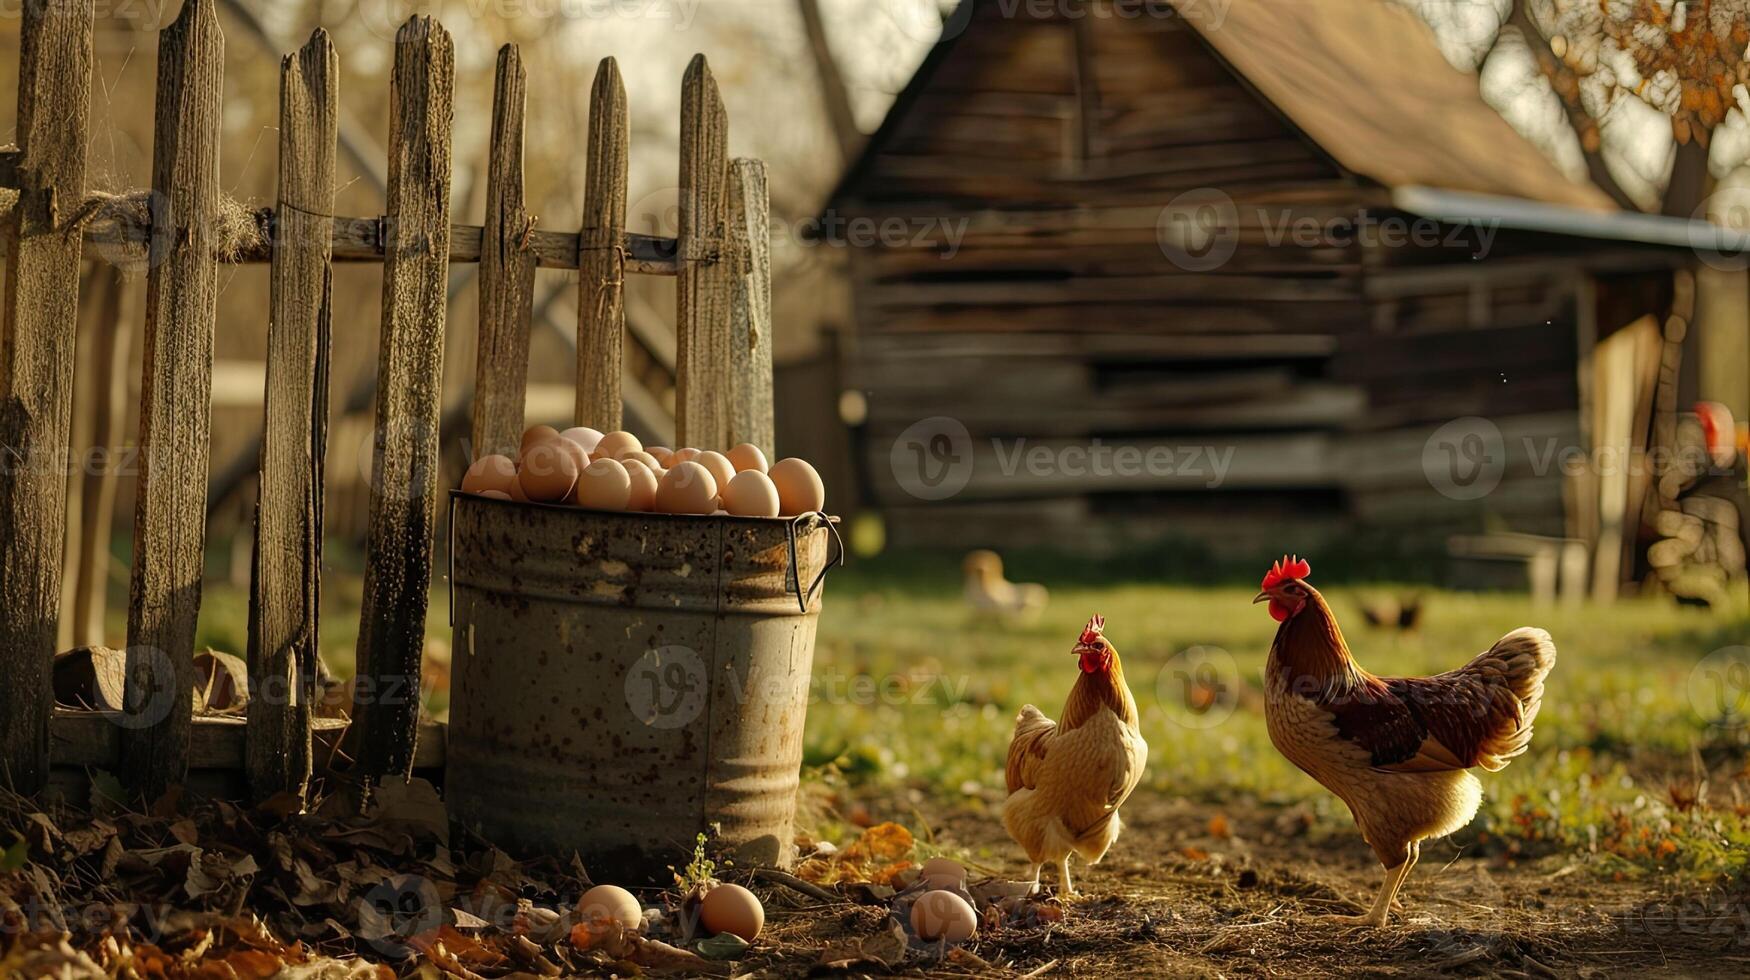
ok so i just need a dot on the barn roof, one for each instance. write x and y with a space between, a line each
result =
1362 79
1365 80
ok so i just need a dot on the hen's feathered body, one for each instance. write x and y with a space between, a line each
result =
1066 779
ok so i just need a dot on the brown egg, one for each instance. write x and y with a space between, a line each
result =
643 456
603 485
688 488
945 870
617 444
584 436
732 909
751 494
575 450
747 456
490 473
799 488
641 489
495 495
943 915
610 903
548 471
719 465
534 434
662 453
516 491
686 455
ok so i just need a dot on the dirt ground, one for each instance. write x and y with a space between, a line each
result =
1191 891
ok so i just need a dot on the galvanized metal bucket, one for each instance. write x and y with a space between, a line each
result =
622 681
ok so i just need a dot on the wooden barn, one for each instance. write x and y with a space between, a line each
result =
1285 231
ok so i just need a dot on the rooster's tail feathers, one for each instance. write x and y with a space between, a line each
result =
1516 667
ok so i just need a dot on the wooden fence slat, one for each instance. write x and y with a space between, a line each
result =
404 469
110 362
750 331
286 582
507 271
38 318
181 302
704 280
601 260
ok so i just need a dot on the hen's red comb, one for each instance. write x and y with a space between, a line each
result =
1286 567
1095 629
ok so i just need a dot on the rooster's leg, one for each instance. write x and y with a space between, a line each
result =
1388 891
1415 855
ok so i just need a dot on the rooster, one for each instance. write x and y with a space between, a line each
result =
1067 778
1397 750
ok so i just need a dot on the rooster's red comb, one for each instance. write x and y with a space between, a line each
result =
1286 567
1095 629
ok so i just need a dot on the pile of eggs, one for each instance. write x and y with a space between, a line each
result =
614 471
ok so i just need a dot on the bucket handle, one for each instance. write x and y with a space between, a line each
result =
793 579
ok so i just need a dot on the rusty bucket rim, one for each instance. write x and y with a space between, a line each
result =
819 515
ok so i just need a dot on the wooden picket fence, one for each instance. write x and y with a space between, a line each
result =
723 366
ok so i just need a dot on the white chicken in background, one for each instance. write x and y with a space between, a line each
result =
989 594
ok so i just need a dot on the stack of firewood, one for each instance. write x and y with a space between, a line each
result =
1699 554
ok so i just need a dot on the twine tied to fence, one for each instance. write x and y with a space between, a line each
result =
613 282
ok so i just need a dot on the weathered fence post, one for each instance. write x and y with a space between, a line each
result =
601 259
175 400
286 584
404 466
38 321
750 322
507 272
705 278
110 362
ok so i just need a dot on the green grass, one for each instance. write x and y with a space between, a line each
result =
911 691
1617 732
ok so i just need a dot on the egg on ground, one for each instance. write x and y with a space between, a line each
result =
641 485
751 493
490 473
732 909
548 472
941 872
617 444
799 488
603 485
687 488
722 470
605 903
747 456
943 915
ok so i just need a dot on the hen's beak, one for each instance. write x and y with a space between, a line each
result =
1260 597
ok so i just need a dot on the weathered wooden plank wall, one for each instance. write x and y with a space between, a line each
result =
286 584
181 303
601 289
507 271
704 288
409 400
38 318
750 322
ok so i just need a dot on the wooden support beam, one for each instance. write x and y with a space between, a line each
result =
507 272
39 311
601 280
110 361
404 468
704 285
750 324
286 583
181 301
